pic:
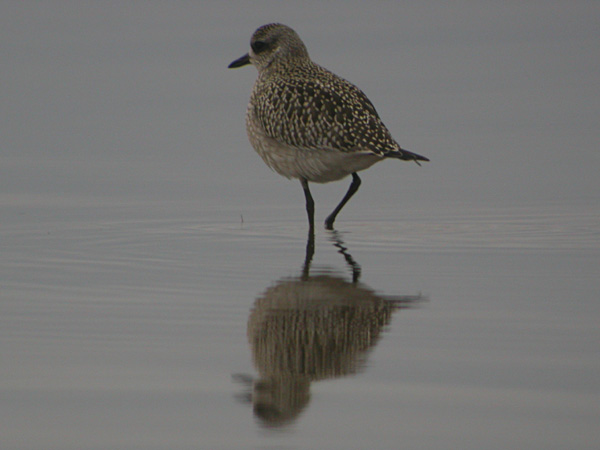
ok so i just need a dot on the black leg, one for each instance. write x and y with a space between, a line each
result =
310 205
351 191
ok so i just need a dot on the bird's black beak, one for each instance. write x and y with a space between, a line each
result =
240 62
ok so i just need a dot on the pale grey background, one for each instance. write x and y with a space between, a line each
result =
132 99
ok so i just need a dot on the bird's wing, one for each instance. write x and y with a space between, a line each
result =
325 112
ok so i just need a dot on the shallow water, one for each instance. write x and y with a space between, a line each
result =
461 330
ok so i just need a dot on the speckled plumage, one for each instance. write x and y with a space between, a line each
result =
306 122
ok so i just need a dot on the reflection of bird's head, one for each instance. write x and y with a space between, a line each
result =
278 401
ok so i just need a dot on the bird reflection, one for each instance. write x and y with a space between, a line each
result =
309 328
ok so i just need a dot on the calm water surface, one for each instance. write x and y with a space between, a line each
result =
471 329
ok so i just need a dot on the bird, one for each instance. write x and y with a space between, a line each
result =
309 124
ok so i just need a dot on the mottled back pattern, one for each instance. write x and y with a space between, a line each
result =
304 105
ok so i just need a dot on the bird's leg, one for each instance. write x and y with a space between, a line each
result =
351 191
310 206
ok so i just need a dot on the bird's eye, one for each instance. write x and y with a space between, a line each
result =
258 46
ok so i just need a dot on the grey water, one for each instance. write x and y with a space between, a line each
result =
157 287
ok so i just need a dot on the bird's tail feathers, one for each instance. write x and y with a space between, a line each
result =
405 155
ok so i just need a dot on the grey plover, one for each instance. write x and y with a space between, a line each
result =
308 123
